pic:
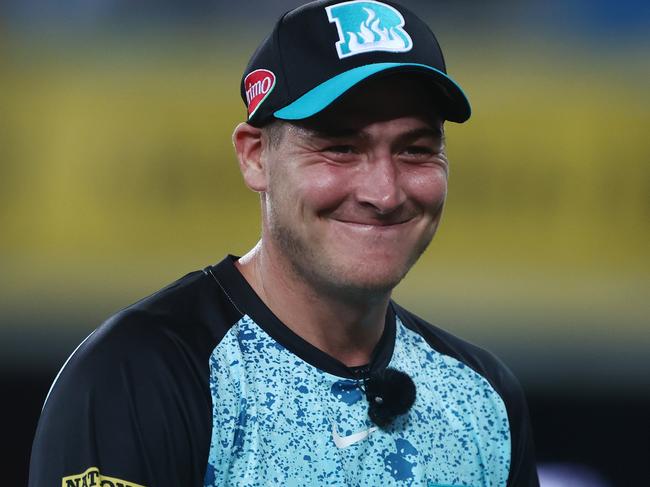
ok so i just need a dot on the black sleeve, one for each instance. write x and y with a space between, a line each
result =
523 467
132 406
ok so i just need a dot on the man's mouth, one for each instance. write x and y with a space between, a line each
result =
370 223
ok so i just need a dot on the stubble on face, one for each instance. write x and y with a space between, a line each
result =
294 236
324 274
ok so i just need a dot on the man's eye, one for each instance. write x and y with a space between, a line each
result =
418 150
341 149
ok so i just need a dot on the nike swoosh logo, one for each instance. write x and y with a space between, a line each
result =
345 441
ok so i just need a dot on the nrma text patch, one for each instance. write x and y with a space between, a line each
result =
93 478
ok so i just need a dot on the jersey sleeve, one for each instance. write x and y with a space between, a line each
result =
130 408
523 467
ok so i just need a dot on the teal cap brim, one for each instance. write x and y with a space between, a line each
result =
317 99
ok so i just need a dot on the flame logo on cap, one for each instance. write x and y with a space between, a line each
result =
366 26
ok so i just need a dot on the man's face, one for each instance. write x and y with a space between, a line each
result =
355 194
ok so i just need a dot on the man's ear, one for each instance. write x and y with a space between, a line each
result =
248 146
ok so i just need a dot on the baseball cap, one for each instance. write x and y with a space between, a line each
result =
319 51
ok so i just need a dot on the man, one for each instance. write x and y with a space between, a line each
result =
291 365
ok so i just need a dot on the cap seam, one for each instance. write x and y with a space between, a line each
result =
285 78
437 43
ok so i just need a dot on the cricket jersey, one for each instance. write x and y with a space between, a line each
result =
200 384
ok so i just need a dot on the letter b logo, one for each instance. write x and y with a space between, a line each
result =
366 26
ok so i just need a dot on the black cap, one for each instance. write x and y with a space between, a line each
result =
319 51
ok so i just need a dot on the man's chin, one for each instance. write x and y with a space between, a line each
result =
350 271
361 285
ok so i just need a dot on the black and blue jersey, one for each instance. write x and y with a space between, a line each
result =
200 384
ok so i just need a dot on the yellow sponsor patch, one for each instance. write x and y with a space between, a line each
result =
93 478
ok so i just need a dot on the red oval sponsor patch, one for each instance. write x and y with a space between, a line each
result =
258 84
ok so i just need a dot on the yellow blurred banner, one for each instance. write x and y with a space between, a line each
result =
125 168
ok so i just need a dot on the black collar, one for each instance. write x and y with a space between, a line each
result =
247 302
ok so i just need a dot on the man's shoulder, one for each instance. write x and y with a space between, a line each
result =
191 310
156 320
176 327
480 360
137 387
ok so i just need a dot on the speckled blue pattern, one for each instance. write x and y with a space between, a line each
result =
274 417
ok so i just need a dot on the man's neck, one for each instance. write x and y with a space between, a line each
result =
345 329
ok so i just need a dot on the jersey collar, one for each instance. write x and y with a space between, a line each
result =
247 302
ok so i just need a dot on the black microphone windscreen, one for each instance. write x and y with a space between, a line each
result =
390 393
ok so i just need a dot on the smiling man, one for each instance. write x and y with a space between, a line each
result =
350 199
291 365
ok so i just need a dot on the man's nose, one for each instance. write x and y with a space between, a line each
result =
379 184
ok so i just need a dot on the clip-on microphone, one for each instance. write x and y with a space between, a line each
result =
390 393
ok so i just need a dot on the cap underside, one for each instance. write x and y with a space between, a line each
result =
320 97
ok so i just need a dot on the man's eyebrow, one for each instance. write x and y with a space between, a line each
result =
433 132
335 132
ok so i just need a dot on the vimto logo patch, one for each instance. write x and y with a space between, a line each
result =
366 26
258 85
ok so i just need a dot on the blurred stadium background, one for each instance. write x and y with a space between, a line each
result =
117 176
